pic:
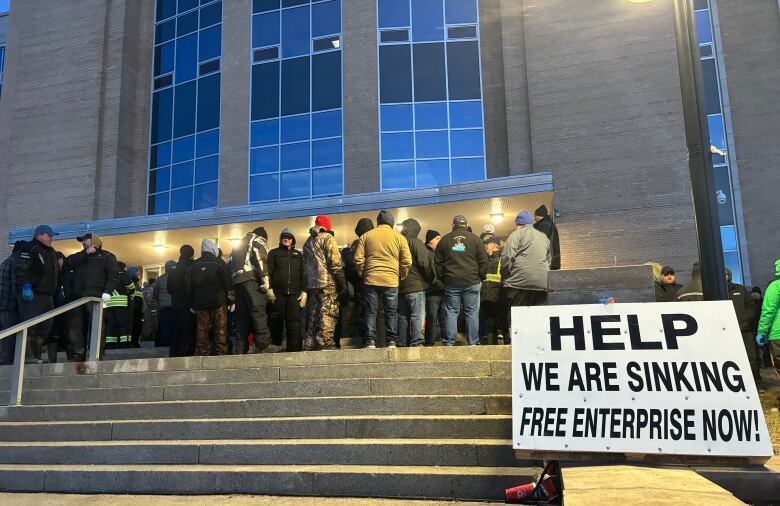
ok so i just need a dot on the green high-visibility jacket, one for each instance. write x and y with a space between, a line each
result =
769 324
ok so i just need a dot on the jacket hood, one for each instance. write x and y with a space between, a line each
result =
289 232
207 246
411 228
363 226
730 276
385 218
777 268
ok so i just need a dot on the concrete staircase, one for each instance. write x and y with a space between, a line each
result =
408 422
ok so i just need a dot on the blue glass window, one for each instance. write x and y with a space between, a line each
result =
467 169
397 118
466 114
265 29
208 102
397 175
398 146
183 149
467 143
296 40
295 128
159 204
395 73
206 195
264 188
326 152
160 180
210 43
704 27
185 5
184 109
430 76
296 184
162 115
463 70
427 20
265 90
728 237
327 181
459 12
186 24
165 9
393 13
295 86
211 15
326 124
326 81
326 18
295 156
181 200
263 160
711 89
265 133
731 261
717 137
208 143
264 5
165 31
431 116
433 144
433 173
160 155
186 58
207 169
163 58
181 175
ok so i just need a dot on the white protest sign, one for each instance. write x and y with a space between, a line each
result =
668 378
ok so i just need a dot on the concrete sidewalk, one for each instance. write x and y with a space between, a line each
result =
221 500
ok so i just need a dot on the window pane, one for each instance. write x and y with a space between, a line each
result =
265 29
181 174
397 146
208 102
326 18
394 36
186 58
184 111
264 160
397 118
728 236
432 144
463 70
295 128
701 4
462 32
158 204
705 51
183 149
710 80
163 82
327 152
160 155
461 11
163 58
717 139
393 13
731 261
433 173
467 142
395 74
431 116
209 67
165 9
265 133
270 53
206 195
181 200
295 86
295 32
327 181
293 3
186 24
325 124
160 180
427 20
397 175
295 156
468 169
296 184
165 31
465 114
208 143
185 5
704 27
211 15
430 82
207 169
265 90
264 5
162 115
327 43
326 81
263 188
210 43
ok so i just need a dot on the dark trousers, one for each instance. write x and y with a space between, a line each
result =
119 325
286 315
521 297
183 338
214 319
79 324
138 321
8 345
251 317
389 297
433 304
492 316
749 341
164 326
37 334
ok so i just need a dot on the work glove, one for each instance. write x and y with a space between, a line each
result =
106 298
760 340
302 300
232 308
341 283
271 295
27 292
265 285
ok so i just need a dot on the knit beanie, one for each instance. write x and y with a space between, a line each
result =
542 211
260 231
363 226
431 235
323 221
186 251
385 218
524 218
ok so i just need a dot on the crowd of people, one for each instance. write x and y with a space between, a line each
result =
389 288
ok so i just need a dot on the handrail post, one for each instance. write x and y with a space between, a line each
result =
17 376
95 331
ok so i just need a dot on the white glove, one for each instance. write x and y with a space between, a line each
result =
106 298
266 285
232 308
271 295
302 300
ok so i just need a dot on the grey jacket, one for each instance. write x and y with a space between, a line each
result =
160 292
525 259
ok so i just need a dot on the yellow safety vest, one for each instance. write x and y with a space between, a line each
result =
495 277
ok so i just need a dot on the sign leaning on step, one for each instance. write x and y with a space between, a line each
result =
656 378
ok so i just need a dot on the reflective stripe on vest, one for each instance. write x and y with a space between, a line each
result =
111 339
117 300
495 278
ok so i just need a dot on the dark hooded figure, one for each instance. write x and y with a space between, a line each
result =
9 305
411 303
183 338
745 309
287 292
545 224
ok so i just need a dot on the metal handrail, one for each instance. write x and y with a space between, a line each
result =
20 330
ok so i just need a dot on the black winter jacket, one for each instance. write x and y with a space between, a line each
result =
666 293
208 282
491 290
36 264
547 226
177 284
461 259
436 287
744 306
285 268
423 271
93 275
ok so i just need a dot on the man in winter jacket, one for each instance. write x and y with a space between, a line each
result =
461 264
769 324
358 289
36 274
119 311
692 290
183 338
492 311
434 295
208 283
382 259
666 288
249 278
288 290
525 262
9 305
162 300
545 224
95 274
325 281
745 309
136 304
411 306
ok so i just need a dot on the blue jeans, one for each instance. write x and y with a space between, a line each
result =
411 316
433 318
389 295
453 297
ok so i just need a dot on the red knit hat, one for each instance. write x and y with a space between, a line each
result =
323 221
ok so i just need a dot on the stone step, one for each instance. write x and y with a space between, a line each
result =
381 355
258 390
312 480
272 407
390 452
314 427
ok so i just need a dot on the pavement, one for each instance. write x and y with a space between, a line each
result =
221 500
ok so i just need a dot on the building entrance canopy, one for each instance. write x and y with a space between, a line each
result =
152 240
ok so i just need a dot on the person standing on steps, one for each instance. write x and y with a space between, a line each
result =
492 310
411 305
162 301
136 304
288 290
769 323
183 338
545 224
525 262
434 295
9 305
119 311
208 283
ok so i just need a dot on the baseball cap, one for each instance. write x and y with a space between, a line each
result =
81 238
44 229
667 270
460 221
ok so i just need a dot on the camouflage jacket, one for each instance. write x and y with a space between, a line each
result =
322 260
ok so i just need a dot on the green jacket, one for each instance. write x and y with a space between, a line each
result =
769 324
